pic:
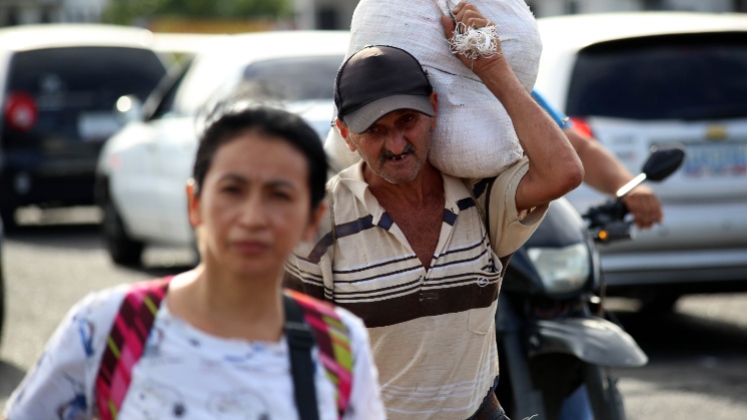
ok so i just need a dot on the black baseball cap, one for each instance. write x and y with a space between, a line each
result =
378 80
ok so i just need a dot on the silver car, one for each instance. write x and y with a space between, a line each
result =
645 80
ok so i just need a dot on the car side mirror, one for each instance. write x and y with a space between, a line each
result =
129 108
663 162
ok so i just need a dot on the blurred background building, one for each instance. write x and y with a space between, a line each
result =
312 14
546 8
23 12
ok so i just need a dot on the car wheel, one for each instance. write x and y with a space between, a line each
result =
7 214
122 249
659 303
2 297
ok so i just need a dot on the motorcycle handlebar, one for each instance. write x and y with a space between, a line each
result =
611 211
607 221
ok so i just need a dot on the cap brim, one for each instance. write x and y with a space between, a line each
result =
364 117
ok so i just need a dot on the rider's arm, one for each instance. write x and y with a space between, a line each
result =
554 167
607 174
604 171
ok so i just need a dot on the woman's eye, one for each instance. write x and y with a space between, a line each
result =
231 189
281 195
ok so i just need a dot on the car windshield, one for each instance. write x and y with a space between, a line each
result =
75 88
685 77
293 79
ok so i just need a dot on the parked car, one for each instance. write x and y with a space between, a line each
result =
178 47
144 168
2 280
60 85
644 80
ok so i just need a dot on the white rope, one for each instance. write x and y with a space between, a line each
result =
474 43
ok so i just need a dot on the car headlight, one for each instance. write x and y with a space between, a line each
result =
562 270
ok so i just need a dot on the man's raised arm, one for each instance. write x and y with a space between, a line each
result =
554 166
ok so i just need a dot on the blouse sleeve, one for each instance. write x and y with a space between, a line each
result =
61 385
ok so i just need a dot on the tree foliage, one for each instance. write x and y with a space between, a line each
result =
127 11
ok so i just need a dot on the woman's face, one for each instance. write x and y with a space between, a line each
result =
253 208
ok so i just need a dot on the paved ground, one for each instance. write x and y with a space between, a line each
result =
698 361
698 354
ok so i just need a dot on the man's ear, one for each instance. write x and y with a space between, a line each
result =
345 133
193 204
315 219
434 102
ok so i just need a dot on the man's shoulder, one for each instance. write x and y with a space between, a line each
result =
344 182
484 189
341 207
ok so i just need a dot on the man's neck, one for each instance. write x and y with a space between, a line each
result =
426 186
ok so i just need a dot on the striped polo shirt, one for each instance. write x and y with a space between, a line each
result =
432 332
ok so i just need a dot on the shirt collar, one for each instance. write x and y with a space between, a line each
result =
454 191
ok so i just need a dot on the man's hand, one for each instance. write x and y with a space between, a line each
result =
605 173
644 206
554 167
468 14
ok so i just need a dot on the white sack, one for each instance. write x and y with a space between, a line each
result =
474 137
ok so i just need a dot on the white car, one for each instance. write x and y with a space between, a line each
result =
638 81
144 168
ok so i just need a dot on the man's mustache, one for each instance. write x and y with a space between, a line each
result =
387 154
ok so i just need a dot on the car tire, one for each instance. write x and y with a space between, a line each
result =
7 214
2 297
659 303
122 249
606 400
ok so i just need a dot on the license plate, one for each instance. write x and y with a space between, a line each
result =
715 160
94 126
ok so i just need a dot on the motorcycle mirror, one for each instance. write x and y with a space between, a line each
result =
663 162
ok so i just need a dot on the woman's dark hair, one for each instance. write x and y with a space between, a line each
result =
270 122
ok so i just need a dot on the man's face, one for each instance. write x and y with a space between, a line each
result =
395 147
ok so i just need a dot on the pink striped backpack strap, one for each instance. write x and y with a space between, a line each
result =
126 343
333 339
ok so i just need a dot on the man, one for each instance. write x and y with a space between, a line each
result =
604 171
407 249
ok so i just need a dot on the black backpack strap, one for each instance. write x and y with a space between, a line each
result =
300 341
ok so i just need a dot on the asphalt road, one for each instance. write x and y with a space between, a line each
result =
698 367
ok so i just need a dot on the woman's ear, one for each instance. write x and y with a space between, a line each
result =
315 219
193 204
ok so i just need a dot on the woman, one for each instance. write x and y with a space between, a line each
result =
218 338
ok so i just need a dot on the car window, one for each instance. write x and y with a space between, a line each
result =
214 77
203 81
688 77
294 79
165 94
75 89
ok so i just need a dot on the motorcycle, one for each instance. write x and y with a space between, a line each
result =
556 344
